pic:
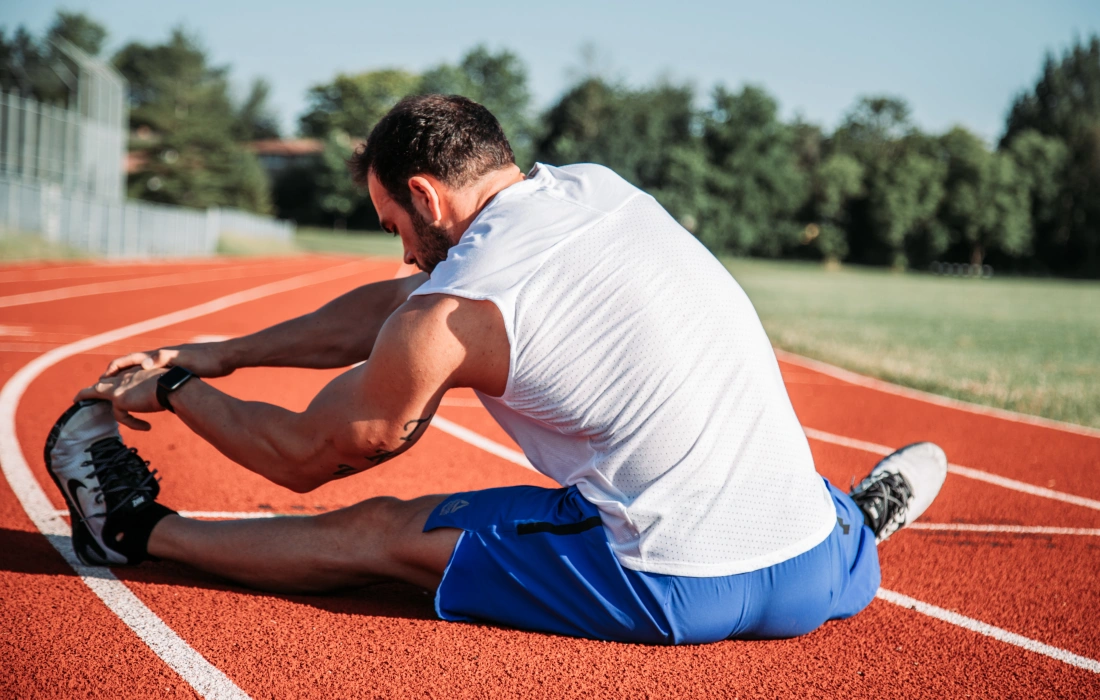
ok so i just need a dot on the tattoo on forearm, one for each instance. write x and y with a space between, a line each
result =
412 430
409 435
345 470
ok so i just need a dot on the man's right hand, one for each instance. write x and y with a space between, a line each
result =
204 359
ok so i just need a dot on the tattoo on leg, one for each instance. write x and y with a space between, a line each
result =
381 455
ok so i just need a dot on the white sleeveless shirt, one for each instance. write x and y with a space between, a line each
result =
640 373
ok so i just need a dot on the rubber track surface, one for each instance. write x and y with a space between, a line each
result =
58 640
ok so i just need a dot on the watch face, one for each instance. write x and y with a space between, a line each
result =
173 378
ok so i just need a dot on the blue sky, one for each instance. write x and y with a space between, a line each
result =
956 63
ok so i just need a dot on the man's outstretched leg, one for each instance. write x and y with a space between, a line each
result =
116 520
381 539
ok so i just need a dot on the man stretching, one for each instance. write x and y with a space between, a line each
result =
610 345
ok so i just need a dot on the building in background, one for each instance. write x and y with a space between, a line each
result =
279 155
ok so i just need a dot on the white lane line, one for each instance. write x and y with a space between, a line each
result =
129 285
1009 529
988 630
960 470
203 676
926 397
478 440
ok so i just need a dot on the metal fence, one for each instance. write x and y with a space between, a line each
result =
81 147
39 141
61 177
123 228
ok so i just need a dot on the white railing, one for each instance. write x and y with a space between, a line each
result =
242 223
40 141
123 228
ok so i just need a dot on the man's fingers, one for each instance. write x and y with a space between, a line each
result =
99 390
120 363
159 358
129 421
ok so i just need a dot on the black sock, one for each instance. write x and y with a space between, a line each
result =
128 534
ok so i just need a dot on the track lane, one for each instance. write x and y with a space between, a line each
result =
1034 454
1024 583
406 651
175 278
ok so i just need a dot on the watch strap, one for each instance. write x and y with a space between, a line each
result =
170 381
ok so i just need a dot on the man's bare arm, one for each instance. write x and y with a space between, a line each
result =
363 418
339 334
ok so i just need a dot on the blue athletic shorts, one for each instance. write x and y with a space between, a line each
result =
539 559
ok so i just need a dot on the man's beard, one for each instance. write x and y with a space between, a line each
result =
433 241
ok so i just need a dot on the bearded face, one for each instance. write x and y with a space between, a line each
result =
432 240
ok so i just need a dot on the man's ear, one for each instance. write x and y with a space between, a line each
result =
425 198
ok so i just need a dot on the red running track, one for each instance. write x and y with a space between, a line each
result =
1004 607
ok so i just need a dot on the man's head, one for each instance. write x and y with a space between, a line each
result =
430 165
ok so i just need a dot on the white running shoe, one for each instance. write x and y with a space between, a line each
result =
901 487
103 481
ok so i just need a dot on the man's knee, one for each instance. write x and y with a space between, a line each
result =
376 533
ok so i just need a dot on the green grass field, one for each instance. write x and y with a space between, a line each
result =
315 240
15 246
1028 345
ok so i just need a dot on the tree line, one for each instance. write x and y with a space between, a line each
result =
875 190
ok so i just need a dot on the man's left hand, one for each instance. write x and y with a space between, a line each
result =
131 391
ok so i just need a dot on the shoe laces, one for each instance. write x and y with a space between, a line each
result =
121 474
884 499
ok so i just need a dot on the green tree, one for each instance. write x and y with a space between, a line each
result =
339 197
753 183
1065 104
39 69
986 205
354 103
1041 162
24 68
255 118
79 30
637 133
903 182
836 182
191 157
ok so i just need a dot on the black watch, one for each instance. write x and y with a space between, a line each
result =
170 381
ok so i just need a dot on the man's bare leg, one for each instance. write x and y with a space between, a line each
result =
377 540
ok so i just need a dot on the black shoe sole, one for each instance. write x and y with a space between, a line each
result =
85 547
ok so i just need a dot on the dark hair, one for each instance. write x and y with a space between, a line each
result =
449 137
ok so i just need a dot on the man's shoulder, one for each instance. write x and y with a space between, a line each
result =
434 307
590 185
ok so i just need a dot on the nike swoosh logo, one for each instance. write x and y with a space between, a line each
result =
75 484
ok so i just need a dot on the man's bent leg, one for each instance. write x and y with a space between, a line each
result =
377 540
